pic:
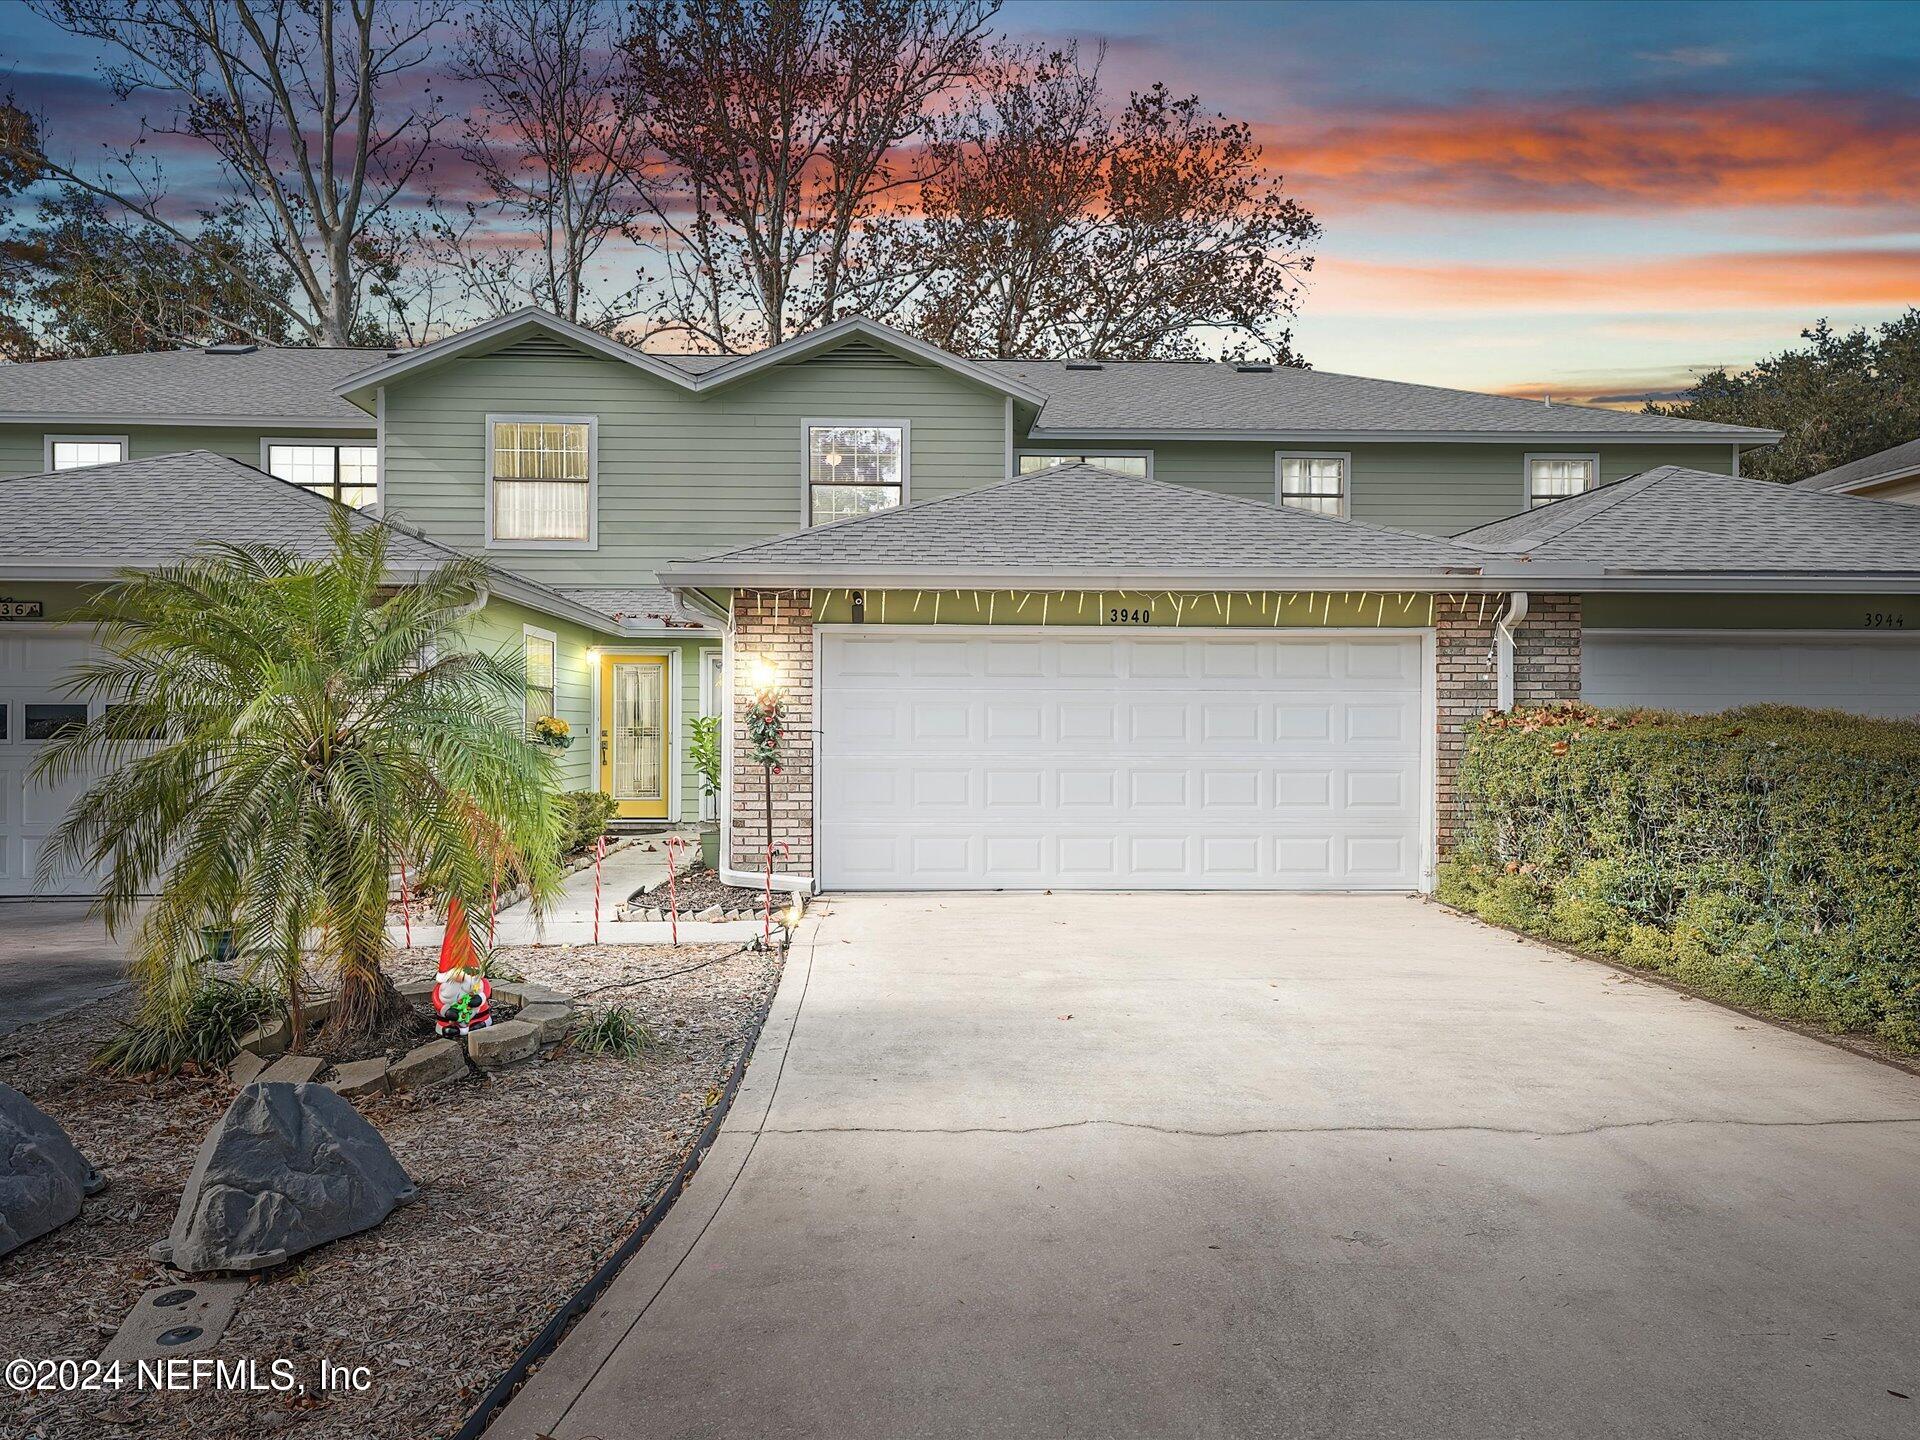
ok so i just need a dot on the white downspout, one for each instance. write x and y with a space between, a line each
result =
1515 612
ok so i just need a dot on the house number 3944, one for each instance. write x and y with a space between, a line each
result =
1884 620
1118 615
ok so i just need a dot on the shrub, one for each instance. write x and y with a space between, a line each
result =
615 1031
703 749
206 1034
1768 856
583 819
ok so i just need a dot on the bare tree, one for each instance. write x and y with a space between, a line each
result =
1051 227
297 100
776 132
556 144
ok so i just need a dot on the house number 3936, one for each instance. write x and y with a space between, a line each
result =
1884 620
1118 615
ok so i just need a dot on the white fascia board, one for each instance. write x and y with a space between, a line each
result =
1084 435
248 422
1868 482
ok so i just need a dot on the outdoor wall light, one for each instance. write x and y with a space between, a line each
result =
761 674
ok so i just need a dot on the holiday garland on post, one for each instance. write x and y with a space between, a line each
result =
766 727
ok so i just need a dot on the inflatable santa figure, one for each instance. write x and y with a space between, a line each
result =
462 996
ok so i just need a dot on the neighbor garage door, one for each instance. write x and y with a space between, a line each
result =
33 664
1703 673
975 759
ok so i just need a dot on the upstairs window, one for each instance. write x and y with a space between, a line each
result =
540 480
1140 465
1314 481
348 473
1555 477
76 452
854 468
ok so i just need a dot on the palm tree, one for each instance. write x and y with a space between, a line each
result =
279 732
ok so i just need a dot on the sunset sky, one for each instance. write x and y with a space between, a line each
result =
1592 199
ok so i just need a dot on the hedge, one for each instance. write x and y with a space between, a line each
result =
1769 856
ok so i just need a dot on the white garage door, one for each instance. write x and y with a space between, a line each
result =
33 664
1704 673
973 759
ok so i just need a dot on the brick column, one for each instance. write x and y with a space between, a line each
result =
777 626
1546 668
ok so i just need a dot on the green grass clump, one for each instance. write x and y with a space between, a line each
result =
205 1035
615 1031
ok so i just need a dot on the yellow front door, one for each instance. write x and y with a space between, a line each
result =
635 748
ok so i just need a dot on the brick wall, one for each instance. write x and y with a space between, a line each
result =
1546 667
777 626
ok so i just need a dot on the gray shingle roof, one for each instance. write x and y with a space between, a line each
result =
1079 519
1155 395
1676 519
645 604
160 510
1897 460
274 383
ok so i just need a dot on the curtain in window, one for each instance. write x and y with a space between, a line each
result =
540 485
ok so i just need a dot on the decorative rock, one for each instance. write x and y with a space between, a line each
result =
246 1068
293 1070
529 992
550 1020
433 1063
503 1043
360 1077
288 1167
269 1038
417 989
712 912
42 1177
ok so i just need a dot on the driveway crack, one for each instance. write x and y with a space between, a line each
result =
1604 1127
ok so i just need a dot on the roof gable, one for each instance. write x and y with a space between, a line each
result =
1897 462
1084 522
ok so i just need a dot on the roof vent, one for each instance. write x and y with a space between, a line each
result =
1085 365
233 348
1254 367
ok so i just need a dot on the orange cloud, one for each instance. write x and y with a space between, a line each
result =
1804 281
1808 150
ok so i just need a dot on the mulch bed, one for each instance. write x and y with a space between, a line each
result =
700 889
528 1179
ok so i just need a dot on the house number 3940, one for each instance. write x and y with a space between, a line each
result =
1117 615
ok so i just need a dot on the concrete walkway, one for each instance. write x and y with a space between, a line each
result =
1065 1166
569 921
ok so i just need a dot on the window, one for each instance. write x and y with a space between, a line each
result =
1555 477
542 649
50 722
348 473
1140 464
540 472
1314 481
854 468
76 452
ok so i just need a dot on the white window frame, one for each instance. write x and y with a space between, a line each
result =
534 632
1345 457
713 690
839 422
49 441
1526 474
335 443
1115 452
592 422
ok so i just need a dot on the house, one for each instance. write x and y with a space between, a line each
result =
1037 623
1892 474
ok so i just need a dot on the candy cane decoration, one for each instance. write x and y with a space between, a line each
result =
673 846
493 908
599 854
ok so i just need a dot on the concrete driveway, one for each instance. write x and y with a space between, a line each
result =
1265 1166
53 958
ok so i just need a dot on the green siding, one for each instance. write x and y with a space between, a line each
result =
1440 489
679 475
1612 611
23 447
